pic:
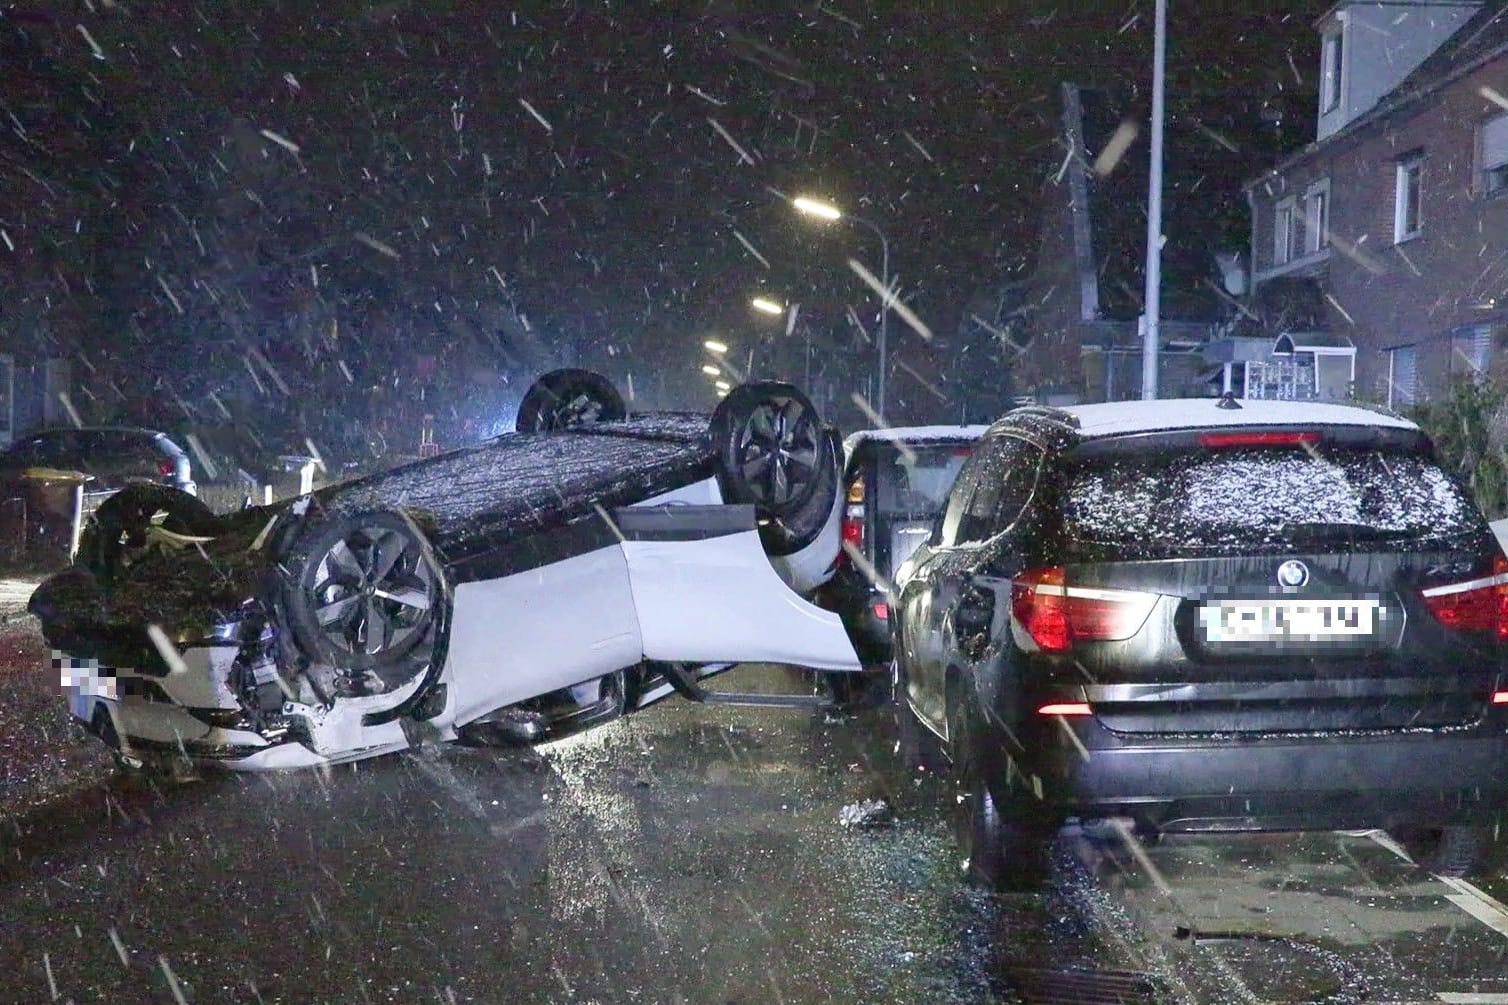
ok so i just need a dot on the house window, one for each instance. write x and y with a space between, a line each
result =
1317 217
1284 227
1493 154
1406 195
1471 350
1330 84
1402 377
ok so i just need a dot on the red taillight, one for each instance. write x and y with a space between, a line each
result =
1065 708
1257 439
882 611
1056 615
1476 605
853 526
1039 606
166 467
1500 697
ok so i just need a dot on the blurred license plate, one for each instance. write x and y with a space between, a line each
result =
1281 620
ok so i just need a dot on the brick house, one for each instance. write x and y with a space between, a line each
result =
1397 208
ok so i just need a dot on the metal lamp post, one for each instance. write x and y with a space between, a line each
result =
1151 319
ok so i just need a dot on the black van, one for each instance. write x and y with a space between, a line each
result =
895 482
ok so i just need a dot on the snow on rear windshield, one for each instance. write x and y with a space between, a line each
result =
1237 501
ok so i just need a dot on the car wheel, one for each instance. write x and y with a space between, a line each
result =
567 399
916 745
1002 845
115 534
774 453
1457 850
366 603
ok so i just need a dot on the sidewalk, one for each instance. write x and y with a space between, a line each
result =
14 593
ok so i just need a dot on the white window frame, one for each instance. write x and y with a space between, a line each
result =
1413 369
1402 202
1317 225
1492 170
1332 69
1284 223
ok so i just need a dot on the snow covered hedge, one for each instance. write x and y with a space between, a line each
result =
1469 424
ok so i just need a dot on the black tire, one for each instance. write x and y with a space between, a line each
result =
774 453
1004 846
917 746
360 574
1458 850
568 399
116 531
856 692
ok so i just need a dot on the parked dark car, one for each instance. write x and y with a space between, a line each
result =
895 482
115 455
1252 615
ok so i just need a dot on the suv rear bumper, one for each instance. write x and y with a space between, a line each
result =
1317 782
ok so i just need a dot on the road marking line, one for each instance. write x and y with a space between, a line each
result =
1475 902
1382 838
1495 920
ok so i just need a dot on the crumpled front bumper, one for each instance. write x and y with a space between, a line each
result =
191 715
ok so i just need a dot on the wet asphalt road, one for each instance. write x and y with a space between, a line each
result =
688 854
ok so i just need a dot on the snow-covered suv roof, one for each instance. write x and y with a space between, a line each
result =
1117 418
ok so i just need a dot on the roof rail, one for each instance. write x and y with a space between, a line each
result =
1048 412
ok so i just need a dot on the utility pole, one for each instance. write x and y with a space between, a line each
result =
1151 319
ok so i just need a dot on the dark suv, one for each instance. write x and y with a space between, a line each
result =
1209 616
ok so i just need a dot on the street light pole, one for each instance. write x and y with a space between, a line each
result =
1152 320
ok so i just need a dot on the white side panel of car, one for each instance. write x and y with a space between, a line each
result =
526 635
718 600
813 565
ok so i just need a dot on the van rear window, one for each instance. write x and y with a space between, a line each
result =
917 485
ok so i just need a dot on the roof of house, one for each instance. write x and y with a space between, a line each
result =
1482 37
1483 34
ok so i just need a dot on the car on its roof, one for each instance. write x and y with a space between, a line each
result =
1208 615
895 481
627 555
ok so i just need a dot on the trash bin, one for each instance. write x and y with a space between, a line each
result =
52 515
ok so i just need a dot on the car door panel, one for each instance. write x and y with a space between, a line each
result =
525 634
705 592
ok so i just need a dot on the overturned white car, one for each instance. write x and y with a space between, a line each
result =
632 554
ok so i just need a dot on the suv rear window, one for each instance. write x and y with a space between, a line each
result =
1225 502
917 485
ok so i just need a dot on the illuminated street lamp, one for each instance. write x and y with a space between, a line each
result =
712 345
723 386
766 306
827 211
711 371
817 208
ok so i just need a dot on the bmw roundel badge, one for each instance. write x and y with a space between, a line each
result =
1293 574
